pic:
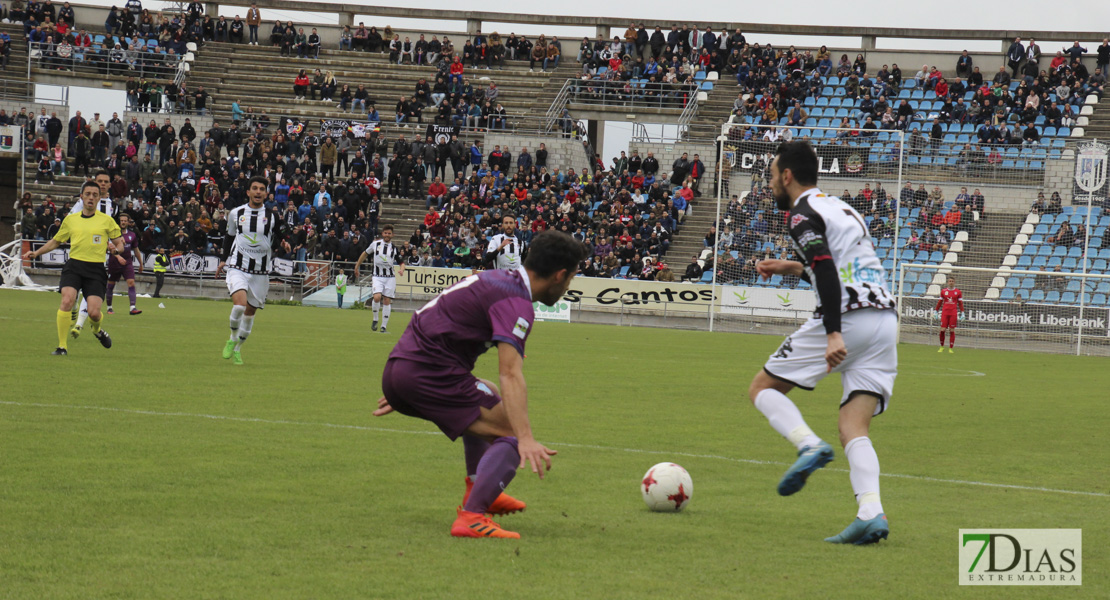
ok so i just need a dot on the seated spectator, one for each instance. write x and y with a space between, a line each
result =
300 85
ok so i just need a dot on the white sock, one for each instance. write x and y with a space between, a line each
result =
863 471
244 331
236 317
785 418
83 315
375 305
386 309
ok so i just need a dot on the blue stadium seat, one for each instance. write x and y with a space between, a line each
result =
919 289
1006 294
1013 281
1022 295
1060 251
1036 296
707 277
1067 298
1052 296
1098 300
1039 262
623 272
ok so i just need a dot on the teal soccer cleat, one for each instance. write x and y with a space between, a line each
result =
862 532
809 460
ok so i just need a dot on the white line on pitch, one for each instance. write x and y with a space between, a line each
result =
564 444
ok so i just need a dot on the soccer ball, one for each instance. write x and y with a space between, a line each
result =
667 487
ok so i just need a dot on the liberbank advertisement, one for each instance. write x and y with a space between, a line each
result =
1013 316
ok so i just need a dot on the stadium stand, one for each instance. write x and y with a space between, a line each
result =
282 90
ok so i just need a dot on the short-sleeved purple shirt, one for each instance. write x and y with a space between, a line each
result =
468 318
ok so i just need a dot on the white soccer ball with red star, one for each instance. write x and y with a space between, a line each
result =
667 487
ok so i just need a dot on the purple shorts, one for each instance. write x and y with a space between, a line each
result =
452 402
116 270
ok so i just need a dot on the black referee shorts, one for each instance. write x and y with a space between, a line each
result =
89 278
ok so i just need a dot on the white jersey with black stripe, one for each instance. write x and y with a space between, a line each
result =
384 256
509 256
252 246
104 205
824 227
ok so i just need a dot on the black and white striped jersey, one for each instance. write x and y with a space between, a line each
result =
104 205
824 227
384 256
507 257
251 231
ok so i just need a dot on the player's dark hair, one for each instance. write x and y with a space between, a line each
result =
387 228
508 216
800 158
101 172
552 251
91 184
258 179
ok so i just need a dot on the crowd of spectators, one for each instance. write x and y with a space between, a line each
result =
780 86
134 38
752 228
179 184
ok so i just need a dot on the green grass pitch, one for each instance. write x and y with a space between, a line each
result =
157 470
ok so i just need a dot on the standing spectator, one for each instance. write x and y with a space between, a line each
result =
254 19
1014 55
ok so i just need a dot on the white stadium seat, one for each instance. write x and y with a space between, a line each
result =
992 294
1032 218
1010 261
1015 250
1027 229
957 247
961 236
1022 238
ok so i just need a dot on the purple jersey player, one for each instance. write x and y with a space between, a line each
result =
428 374
121 265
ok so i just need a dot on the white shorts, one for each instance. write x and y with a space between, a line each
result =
256 286
871 365
386 286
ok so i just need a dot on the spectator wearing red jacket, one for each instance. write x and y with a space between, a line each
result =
456 71
437 192
300 85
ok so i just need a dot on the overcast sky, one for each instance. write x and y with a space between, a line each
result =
1071 15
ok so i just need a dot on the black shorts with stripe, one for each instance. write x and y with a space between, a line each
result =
91 279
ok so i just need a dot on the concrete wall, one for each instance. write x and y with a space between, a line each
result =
13 106
666 154
564 153
1059 176
201 124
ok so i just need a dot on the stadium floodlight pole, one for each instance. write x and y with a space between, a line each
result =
897 229
898 200
22 174
721 139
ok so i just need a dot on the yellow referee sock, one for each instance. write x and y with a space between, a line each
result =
64 321
94 324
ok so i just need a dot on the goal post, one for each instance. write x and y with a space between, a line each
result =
1036 310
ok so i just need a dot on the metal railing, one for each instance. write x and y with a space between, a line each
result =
632 94
102 61
511 123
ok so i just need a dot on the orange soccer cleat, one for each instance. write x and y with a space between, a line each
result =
470 524
503 505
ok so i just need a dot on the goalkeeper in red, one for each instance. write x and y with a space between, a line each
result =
951 304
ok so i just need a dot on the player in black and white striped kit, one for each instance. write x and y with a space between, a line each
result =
106 206
505 250
852 333
248 255
386 261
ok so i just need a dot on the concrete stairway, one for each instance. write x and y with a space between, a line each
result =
986 248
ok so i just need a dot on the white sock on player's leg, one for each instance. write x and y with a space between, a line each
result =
785 418
376 305
386 309
236 320
83 315
863 471
244 330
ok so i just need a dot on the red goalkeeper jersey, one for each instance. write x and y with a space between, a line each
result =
952 300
